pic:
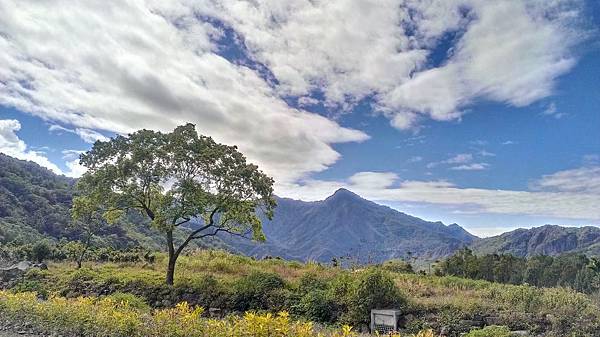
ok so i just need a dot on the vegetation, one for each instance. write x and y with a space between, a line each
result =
207 181
568 270
35 206
328 295
117 317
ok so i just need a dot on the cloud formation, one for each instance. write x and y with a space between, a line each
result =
121 66
12 145
505 51
561 196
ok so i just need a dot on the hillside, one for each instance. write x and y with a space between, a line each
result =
544 240
346 225
35 204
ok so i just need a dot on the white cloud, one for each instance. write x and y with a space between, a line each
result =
580 180
552 111
12 145
460 158
415 159
87 135
122 66
463 162
564 200
507 51
471 167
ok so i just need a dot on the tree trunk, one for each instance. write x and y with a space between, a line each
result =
172 259
85 248
171 270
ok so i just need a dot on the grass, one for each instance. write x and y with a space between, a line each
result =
433 301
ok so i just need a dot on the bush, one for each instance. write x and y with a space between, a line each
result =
40 251
398 266
372 289
490 331
317 305
255 291
107 317
129 300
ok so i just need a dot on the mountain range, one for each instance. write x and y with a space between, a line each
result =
35 203
346 225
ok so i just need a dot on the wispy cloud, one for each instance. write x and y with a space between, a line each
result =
415 159
552 111
462 162
87 135
471 167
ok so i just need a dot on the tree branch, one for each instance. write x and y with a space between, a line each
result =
210 223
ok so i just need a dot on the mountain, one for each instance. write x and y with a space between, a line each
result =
544 240
345 224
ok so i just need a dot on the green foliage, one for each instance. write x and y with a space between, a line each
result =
398 266
372 289
256 291
130 300
40 251
567 270
216 279
208 181
490 331
109 317
316 301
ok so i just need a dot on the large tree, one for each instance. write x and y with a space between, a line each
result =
174 179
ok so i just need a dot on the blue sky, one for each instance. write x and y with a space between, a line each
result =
482 113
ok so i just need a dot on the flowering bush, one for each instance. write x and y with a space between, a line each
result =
111 317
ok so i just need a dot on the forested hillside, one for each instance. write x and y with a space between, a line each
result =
35 205
544 240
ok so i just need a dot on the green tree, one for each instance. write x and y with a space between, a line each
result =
87 217
174 178
40 251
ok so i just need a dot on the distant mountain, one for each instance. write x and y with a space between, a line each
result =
544 240
345 224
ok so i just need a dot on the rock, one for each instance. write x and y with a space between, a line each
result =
214 312
493 320
523 333
471 323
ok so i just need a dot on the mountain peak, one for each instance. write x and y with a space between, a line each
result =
343 193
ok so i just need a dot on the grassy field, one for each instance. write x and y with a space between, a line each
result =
234 284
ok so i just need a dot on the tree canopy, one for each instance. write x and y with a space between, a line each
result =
174 179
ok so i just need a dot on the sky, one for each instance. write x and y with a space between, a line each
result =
476 112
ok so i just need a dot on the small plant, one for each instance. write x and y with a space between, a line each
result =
490 331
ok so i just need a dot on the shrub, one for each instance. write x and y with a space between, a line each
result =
490 331
129 300
317 305
398 266
310 282
107 317
372 289
254 292
31 286
40 251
